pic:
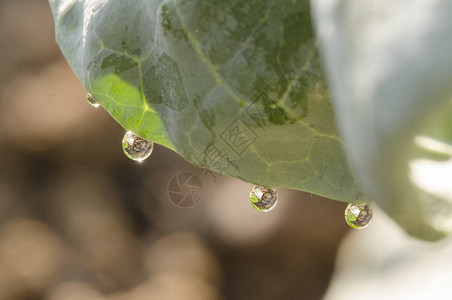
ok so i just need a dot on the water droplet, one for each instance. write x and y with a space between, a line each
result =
136 148
263 199
358 216
91 100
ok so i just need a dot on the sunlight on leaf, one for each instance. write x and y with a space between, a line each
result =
232 86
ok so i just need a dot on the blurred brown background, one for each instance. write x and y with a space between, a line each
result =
78 220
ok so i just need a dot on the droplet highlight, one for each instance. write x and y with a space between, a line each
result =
136 148
263 199
91 100
358 216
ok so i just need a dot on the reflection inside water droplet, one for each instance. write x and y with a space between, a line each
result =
136 148
91 100
358 216
263 199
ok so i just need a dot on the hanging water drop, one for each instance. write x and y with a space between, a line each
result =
263 199
358 216
136 148
91 100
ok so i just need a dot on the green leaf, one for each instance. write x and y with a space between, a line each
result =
390 66
231 85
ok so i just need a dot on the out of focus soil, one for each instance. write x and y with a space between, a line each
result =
78 220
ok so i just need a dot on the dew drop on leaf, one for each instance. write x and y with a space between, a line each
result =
136 148
358 216
91 100
263 199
